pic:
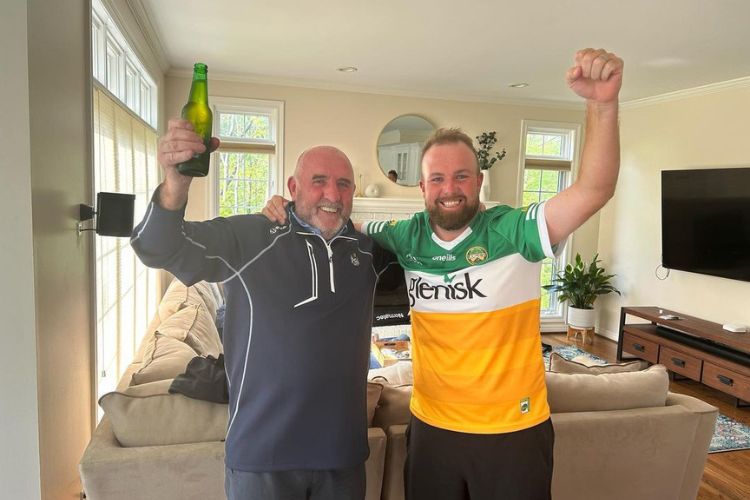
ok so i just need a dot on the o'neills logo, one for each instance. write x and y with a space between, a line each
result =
475 255
457 290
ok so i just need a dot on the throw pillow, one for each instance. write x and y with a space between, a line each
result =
164 358
178 296
608 391
206 292
194 326
393 407
147 415
373 396
561 365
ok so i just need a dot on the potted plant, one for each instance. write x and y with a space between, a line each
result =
486 158
579 285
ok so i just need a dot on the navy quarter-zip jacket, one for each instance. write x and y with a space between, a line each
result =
296 332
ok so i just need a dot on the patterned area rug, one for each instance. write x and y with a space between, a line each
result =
729 435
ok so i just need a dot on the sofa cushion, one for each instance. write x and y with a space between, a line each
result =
164 358
393 407
179 296
561 365
175 298
147 415
373 396
194 326
608 391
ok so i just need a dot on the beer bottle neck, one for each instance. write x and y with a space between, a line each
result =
199 88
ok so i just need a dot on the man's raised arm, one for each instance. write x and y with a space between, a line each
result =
597 77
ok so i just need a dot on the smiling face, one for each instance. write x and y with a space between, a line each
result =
322 189
450 184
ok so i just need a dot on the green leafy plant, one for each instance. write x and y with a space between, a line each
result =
581 283
486 158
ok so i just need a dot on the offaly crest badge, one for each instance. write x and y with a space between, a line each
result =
476 255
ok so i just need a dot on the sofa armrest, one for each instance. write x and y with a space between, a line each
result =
172 472
395 458
644 453
704 432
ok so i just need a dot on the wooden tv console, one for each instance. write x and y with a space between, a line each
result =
694 348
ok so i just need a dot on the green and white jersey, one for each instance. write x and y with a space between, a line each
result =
475 318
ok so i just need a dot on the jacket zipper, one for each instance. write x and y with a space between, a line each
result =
329 251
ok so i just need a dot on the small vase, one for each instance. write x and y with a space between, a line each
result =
484 190
372 191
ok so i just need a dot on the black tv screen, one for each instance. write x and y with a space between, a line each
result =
705 220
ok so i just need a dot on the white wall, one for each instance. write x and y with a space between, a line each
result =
19 445
704 131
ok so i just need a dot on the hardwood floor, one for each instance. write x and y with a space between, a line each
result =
726 475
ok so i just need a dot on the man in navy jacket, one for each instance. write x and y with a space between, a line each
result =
298 319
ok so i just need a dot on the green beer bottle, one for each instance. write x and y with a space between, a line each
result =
197 112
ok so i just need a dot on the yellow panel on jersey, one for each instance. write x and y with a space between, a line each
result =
484 383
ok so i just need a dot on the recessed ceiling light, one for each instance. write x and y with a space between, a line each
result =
347 69
518 85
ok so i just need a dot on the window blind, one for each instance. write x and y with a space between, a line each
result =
126 290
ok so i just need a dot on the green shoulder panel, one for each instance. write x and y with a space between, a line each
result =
520 226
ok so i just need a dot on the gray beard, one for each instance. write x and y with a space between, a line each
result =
455 220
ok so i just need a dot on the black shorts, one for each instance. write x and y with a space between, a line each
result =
448 465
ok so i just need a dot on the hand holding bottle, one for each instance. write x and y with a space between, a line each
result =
177 146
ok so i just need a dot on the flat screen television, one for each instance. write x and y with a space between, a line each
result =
705 217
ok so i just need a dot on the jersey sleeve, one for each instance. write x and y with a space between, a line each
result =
526 230
387 233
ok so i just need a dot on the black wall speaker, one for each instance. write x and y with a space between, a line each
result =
114 214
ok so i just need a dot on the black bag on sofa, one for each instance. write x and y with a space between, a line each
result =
204 378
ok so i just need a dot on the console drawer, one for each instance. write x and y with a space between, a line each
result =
726 381
681 363
641 348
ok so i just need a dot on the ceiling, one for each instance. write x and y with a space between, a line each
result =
470 50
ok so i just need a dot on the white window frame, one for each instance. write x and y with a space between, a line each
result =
105 34
275 109
571 152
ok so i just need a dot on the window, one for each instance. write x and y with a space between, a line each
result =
127 293
547 166
117 68
248 168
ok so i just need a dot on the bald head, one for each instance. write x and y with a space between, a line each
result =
320 155
322 188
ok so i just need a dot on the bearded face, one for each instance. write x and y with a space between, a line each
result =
450 185
453 213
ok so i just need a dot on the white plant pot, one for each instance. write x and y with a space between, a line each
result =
484 190
581 318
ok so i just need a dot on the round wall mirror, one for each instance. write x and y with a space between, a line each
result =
400 148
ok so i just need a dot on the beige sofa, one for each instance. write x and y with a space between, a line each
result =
616 435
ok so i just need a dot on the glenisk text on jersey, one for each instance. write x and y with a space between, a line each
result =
460 290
